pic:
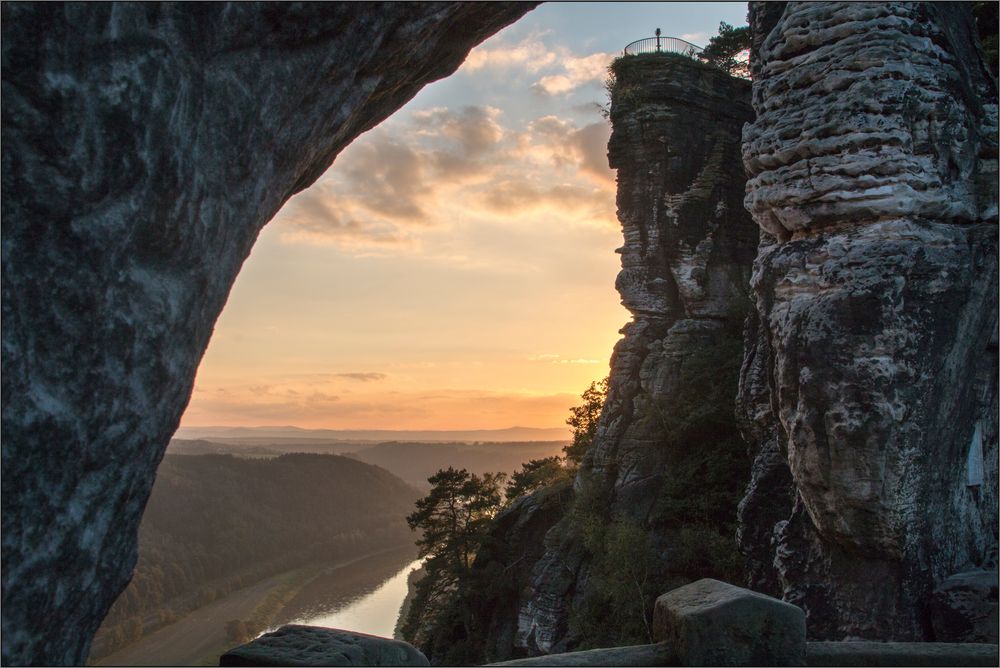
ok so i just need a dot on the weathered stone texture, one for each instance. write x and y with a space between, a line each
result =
964 608
689 245
145 146
296 645
712 623
872 354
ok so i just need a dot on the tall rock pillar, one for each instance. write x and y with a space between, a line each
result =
870 383
689 246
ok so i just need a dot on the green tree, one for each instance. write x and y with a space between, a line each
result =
724 50
454 521
454 517
583 420
534 475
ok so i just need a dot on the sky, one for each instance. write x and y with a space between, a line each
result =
455 267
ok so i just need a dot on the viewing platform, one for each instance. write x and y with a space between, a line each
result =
661 44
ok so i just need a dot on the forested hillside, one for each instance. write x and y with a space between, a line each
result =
215 523
416 462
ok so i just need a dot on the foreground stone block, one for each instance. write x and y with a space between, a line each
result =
661 654
864 653
711 623
296 645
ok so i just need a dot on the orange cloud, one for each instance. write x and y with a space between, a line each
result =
530 54
415 175
576 71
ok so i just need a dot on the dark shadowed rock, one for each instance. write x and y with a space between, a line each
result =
862 653
659 654
144 147
869 388
964 608
712 623
687 252
295 645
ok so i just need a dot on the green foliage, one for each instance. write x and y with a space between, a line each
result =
707 462
703 412
583 420
700 551
618 607
689 532
454 520
534 475
725 49
454 517
987 18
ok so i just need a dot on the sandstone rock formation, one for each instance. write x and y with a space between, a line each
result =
869 388
297 645
964 608
145 146
689 246
487 602
712 623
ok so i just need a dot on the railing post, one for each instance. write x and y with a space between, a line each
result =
657 40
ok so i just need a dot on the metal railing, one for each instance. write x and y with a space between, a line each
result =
661 44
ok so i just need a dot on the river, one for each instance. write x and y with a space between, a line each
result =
375 612
361 594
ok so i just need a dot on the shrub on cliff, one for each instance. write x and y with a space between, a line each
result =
454 520
583 419
534 475
729 50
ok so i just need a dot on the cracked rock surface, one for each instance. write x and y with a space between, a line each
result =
870 370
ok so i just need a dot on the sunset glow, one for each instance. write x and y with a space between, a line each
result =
455 268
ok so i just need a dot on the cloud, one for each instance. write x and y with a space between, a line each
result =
386 183
556 140
576 71
312 216
696 38
363 377
563 71
401 187
591 143
475 128
386 176
510 196
530 55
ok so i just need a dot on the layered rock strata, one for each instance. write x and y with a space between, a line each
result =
689 246
869 388
145 146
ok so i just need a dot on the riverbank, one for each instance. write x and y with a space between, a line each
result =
200 637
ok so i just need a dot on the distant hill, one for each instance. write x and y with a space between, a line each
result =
181 446
415 462
215 523
377 435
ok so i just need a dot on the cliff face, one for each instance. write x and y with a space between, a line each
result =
869 386
145 146
689 246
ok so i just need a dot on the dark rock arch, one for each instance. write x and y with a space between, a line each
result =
144 147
